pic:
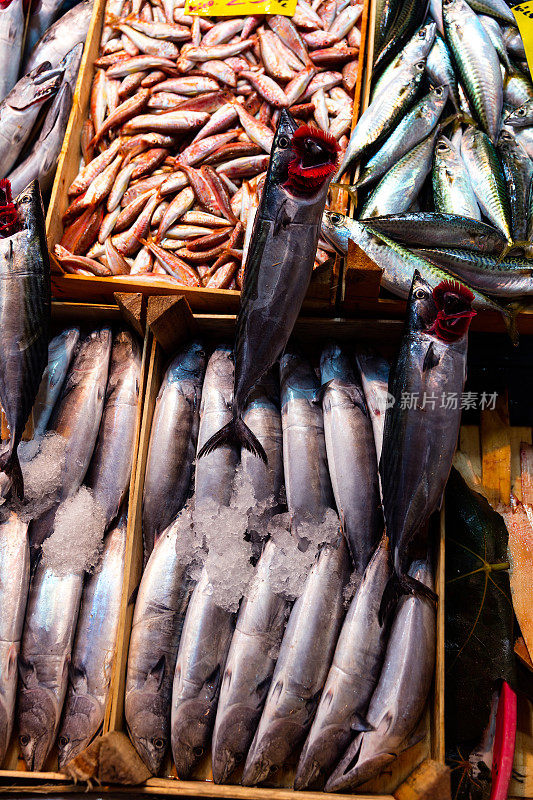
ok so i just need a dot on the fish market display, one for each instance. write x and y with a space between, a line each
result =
24 314
173 438
65 621
182 119
279 262
431 364
444 149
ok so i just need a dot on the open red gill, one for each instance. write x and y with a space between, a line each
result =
315 155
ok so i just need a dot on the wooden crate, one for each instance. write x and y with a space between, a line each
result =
63 315
326 281
170 323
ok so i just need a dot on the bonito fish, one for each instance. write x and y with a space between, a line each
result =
94 648
173 439
351 455
160 608
110 468
60 353
24 314
14 582
47 639
69 30
279 263
401 693
419 442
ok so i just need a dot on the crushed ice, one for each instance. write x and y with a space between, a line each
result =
75 543
42 462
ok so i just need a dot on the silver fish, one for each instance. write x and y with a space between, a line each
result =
160 608
110 468
352 677
173 438
40 163
302 666
41 18
60 353
204 645
351 455
20 109
440 69
401 185
47 639
417 49
374 372
14 582
399 699
93 653
78 413
12 19
69 30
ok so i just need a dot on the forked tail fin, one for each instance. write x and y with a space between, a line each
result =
235 432
397 585
10 464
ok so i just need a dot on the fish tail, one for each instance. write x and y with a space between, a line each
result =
10 464
509 314
399 585
235 431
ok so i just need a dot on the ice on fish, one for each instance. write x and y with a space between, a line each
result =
75 543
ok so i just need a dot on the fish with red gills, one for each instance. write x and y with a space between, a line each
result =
422 425
279 262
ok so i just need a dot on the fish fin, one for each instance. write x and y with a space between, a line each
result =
312 703
509 313
321 391
12 660
235 431
10 464
157 673
360 724
399 585
212 683
28 673
431 359
78 678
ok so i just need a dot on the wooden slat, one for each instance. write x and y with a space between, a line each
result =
496 452
526 469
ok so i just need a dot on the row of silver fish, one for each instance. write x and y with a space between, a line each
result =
62 628
30 139
182 118
258 685
443 149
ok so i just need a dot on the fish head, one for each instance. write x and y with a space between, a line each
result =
191 730
445 151
313 161
438 96
270 749
71 63
234 732
30 207
336 229
281 153
445 311
35 88
147 722
37 717
320 754
81 720
298 378
363 760
422 41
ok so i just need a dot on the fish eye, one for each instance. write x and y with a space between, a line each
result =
24 739
273 768
441 147
421 294
198 751
238 757
438 91
63 741
421 66
158 743
283 141
335 219
521 112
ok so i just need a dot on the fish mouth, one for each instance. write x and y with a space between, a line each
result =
223 765
10 222
314 160
453 301
346 776
308 773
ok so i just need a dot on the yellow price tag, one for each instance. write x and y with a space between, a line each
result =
239 8
523 14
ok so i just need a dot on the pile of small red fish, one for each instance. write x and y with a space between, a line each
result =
182 117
